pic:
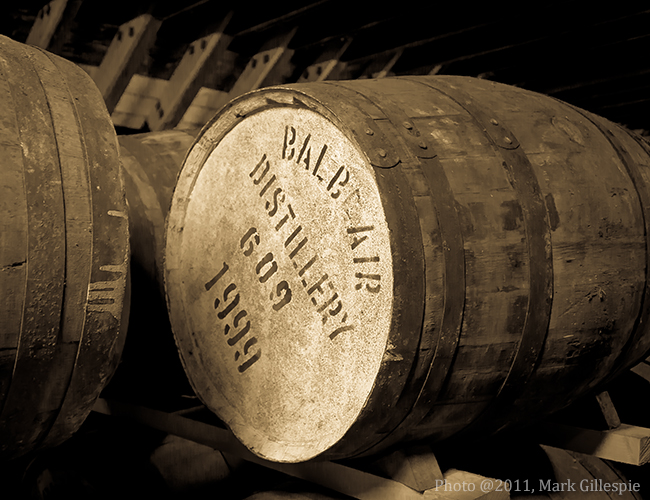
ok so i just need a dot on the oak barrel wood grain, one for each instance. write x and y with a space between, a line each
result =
349 265
64 249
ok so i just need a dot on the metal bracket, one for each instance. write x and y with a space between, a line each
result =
500 135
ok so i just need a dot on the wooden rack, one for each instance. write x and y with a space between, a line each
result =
167 64
413 472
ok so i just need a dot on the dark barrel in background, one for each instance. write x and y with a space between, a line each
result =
150 372
353 264
64 248
151 163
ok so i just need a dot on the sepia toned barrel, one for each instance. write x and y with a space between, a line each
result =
150 372
151 163
576 475
64 248
350 265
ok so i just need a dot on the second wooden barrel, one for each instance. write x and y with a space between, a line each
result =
150 372
63 248
151 163
353 264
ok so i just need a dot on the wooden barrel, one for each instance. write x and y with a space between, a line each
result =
64 248
517 464
151 163
353 264
150 372
581 476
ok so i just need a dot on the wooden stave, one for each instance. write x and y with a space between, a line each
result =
600 370
14 251
416 435
105 328
53 261
47 412
313 92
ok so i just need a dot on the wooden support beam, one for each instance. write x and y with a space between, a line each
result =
125 57
415 466
610 414
268 67
323 66
204 106
206 63
385 70
338 477
375 66
642 370
461 485
184 464
52 21
627 444
142 94
138 99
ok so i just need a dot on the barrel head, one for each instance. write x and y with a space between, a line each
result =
279 275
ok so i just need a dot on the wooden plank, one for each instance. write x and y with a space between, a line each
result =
343 479
346 480
627 443
128 120
609 411
203 107
461 485
642 370
140 96
53 19
323 66
206 62
138 101
374 66
268 67
184 464
125 56
385 70
415 466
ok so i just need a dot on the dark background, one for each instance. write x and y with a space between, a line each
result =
592 54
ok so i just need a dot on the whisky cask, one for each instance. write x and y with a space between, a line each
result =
349 265
63 249
151 163
576 475
150 372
